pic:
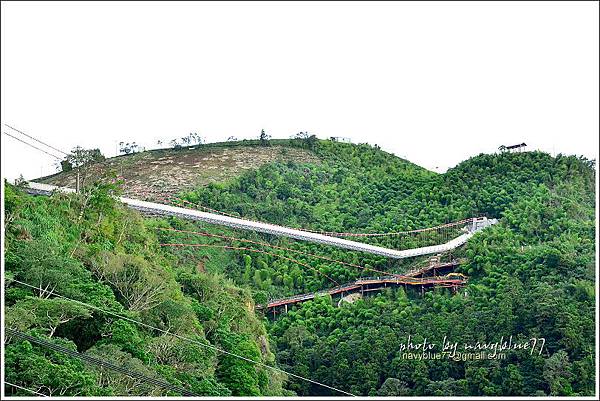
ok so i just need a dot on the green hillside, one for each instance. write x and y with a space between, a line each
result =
532 275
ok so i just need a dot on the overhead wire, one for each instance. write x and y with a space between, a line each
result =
102 363
210 346
37 140
257 251
24 388
33 146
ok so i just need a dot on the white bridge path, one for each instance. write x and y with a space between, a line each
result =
470 229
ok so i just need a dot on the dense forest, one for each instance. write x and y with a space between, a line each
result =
90 249
531 275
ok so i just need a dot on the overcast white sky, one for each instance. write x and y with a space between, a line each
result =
434 83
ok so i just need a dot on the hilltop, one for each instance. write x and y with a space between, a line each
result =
173 170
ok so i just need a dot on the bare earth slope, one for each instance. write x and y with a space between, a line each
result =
172 170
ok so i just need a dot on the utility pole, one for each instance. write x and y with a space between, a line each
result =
77 181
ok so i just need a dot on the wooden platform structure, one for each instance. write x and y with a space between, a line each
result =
422 278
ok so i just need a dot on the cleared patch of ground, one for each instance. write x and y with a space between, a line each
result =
170 171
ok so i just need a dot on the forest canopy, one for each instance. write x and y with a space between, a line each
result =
531 275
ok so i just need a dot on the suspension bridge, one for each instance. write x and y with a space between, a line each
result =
469 227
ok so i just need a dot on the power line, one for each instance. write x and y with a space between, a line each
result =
102 363
26 389
33 146
37 140
215 348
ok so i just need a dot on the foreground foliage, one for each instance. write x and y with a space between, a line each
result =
88 248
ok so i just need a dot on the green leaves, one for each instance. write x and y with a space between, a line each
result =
119 384
39 263
49 372
240 376
557 372
138 284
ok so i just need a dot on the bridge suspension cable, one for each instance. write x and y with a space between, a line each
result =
254 250
206 234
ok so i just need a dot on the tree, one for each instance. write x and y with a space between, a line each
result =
557 373
182 354
513 381
238 375
193 139
47 314
138 284
308 141
264 138
132 147
119 383
448 387
296 336
48 372
81 159
50 270
301 135
311 142
66 166
127 336
247 268
18 317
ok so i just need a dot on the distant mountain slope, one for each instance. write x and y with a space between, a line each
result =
353 187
